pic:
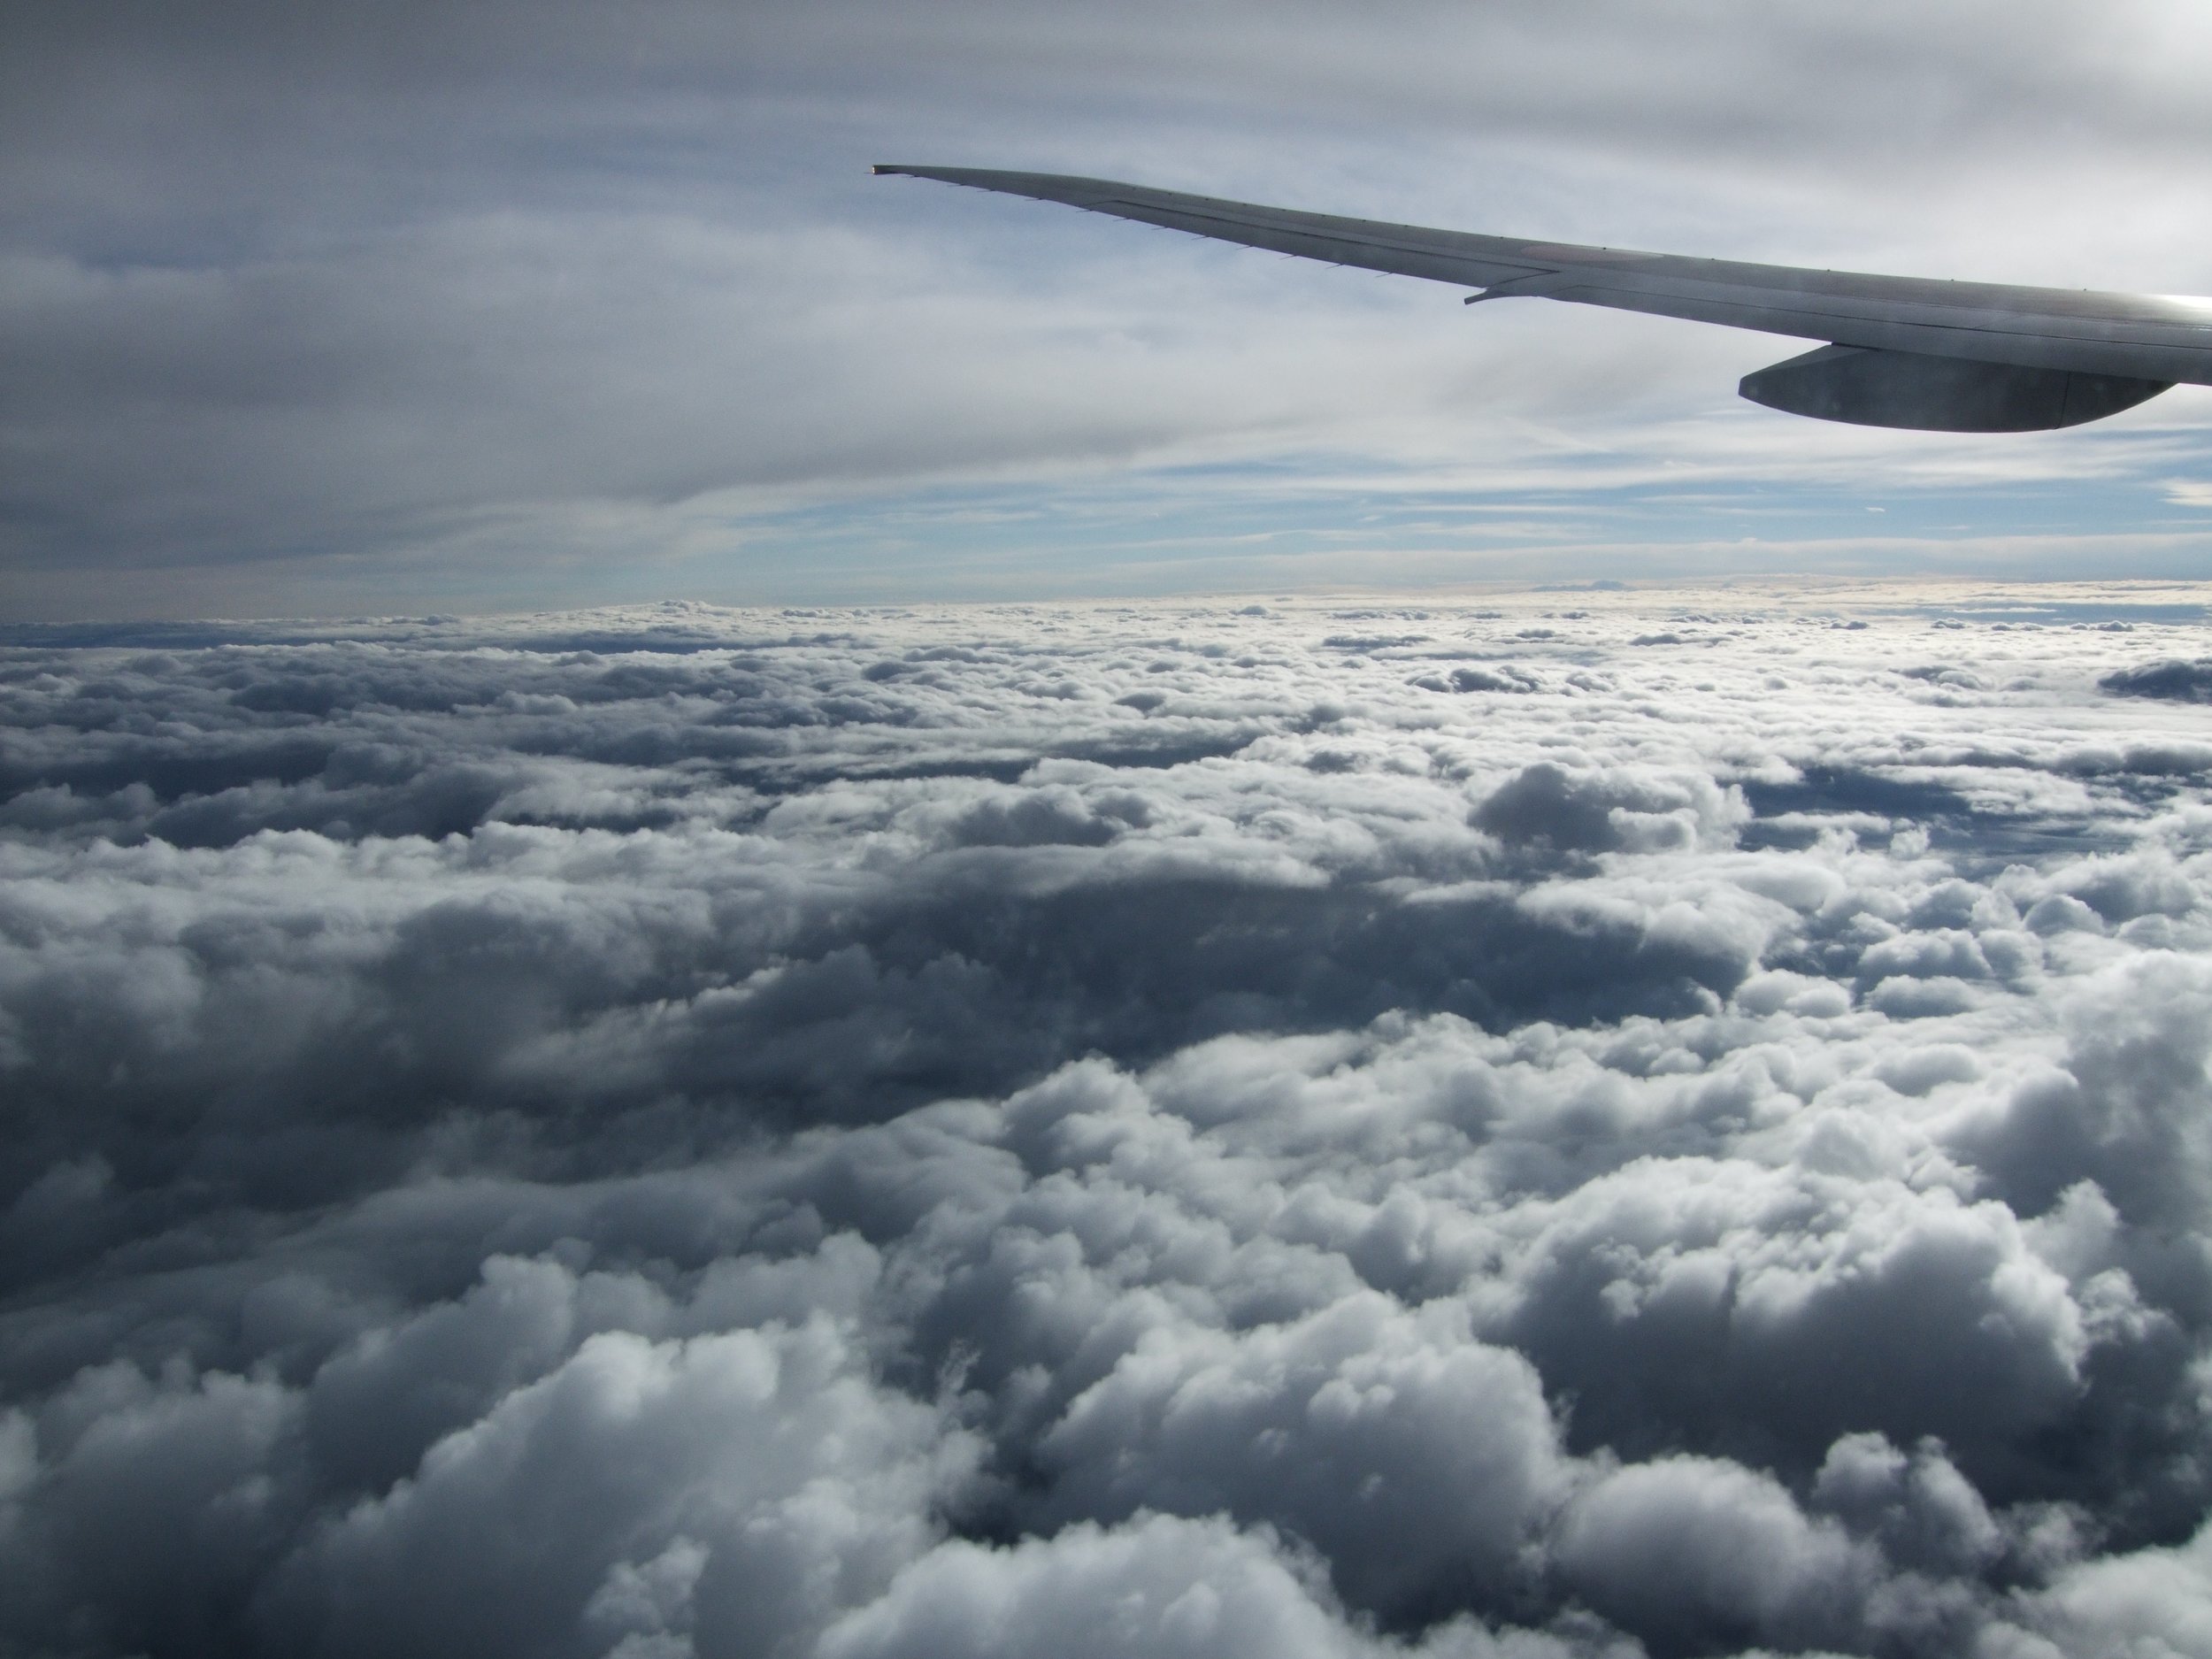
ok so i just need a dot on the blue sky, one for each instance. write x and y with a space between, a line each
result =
494 307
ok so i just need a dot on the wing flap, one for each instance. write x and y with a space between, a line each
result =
1924 393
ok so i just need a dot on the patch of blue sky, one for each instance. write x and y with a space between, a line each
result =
1352 521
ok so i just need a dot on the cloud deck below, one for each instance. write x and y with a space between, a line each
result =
1568 1124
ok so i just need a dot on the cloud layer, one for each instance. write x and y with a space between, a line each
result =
1586 1124
501 304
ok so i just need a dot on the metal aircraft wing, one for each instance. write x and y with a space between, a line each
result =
1899 351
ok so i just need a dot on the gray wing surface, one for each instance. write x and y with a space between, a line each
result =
1899 351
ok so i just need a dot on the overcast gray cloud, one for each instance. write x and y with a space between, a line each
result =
1579 1124
318 309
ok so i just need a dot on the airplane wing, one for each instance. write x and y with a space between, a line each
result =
1899 351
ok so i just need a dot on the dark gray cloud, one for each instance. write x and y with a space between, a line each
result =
2184 682
1148 1130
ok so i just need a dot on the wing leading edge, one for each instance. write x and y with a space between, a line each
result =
1898 351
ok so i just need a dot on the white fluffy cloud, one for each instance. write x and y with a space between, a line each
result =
1570 1125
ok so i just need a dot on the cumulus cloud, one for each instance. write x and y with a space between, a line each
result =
679 1132
2185 682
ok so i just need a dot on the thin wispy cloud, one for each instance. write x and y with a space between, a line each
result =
489 305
